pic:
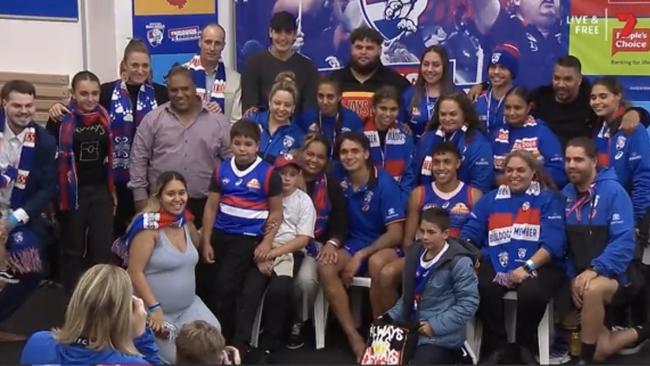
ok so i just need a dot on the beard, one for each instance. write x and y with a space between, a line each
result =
365 69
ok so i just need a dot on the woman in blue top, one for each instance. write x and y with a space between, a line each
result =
279 134
503 68
434 79
523 132
104 324
519 229
329 118
456 122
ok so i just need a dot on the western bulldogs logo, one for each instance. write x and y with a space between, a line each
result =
155 33
496 57
503 259
392 18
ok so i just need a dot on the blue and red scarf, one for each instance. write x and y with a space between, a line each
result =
323 206
217 90
68 185
147 221
22 243
124 123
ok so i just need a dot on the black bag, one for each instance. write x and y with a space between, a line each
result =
390 342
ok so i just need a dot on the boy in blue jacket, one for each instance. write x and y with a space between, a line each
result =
600 233
440 290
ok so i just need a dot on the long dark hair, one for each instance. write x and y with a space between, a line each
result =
466 107
446 81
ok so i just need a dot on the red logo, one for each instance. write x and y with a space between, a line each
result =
178 3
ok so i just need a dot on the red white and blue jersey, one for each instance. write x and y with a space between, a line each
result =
243 207
371 208
394 154
457 202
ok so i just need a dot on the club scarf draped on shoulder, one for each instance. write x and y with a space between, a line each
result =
323 206
124 123
147 221
22 243
217 90
68 184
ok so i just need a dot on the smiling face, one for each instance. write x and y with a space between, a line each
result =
353 156
211 43
431 68
86 94
445 166
314 158
173 197
182 92
516 110
604 102
499 75
385 113
137 67
282 106
450 116
282 40
518 174
566 83
20 110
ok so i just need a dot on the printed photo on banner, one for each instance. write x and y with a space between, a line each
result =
469 29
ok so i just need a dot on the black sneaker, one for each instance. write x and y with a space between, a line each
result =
630 349
296 340
7 276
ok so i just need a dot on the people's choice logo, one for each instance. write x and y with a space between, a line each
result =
629 39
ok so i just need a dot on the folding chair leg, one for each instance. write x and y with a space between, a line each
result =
255 332
356 300
321 307
544 331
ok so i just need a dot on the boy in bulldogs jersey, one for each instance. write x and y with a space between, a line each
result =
241 217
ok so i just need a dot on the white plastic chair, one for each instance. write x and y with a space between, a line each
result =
646 256
544 330
321 308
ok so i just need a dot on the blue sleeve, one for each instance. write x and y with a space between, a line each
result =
404 113
553 234
639 160
475 229
551 150
391 205
303 120
618 253
396 311
407 182
353 121
146 345
479 162
465 290
423 146
40 348
46 185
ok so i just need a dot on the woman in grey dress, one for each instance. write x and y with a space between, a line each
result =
161 260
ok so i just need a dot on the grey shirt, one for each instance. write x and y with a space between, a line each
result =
162 142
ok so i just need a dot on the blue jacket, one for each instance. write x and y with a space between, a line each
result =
629 155
600 228
450 297
349 121
285 138
476 151
42 348
419 115
509 228
535 137
490 111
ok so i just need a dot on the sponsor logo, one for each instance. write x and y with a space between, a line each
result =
253 184
184 34
459 209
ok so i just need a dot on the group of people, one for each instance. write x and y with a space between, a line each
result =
219 194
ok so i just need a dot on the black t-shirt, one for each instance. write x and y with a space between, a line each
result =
90 146
382 138
275 183
566 120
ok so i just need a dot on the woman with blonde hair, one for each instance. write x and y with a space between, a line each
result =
104 323
159 249
279 134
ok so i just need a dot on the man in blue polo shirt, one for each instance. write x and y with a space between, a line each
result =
376 215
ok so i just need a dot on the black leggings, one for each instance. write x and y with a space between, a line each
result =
532 297
429 354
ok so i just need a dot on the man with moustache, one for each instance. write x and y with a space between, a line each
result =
217 85
180 135
365 73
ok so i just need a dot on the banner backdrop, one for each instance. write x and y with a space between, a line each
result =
172 29
469 30
66 10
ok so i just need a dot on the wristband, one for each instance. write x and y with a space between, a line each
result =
12 220
153 308
530 265
332 242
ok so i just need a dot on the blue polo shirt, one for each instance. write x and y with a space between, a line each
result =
282 141
371 209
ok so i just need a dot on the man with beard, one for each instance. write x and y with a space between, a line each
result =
601 252
365 73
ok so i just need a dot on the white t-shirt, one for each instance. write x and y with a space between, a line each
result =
299 217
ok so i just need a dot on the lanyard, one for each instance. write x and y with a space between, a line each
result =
334 131
488 121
